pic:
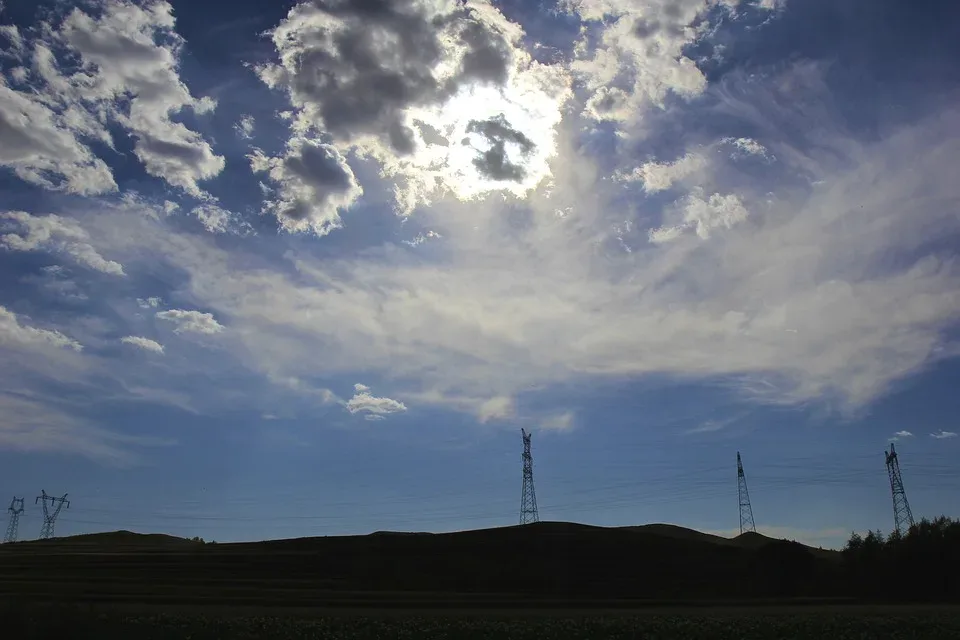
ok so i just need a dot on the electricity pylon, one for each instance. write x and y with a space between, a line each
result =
746 511
16 508
902 516
50 517
528 500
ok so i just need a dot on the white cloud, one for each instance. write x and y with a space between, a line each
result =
901 434
942 435
54 233
495 408
191 321
638 58
703 217
214 218
559 422
508 308
17 334
771 5
128 58
661 176
717 212
747 147
371 406
245 127
42 148
132 52
818 296
149 303
143 343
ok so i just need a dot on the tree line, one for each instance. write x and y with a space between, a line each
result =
921 564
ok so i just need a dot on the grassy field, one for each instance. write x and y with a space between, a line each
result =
894 623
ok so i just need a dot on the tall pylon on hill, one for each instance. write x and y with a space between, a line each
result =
16 508
50 517
902 516
746 511
528 500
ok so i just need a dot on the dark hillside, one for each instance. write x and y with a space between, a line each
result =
553 560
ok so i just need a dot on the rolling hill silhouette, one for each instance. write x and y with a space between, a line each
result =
547 560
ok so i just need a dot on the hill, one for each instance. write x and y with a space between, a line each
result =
552 560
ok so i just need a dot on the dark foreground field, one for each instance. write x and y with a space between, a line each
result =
814 623
551 580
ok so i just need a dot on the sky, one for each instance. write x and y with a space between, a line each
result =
281 269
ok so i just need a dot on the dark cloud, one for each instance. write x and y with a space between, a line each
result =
494 162
355 67
431 135
313 182
176 150
320 166
644 28
488 54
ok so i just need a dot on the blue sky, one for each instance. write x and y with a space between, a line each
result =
284 269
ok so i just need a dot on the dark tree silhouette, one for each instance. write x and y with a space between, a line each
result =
920 565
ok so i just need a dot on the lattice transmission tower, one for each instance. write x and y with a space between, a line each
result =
528 500
746 511
16 508
902 516
50 516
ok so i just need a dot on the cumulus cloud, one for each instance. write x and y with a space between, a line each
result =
355 68
313 183
58 234
418 85
143 343
943 435
149 303
191 321
126 59
371 406
638 58
661 176
703 217
13 332
902 434
43 149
